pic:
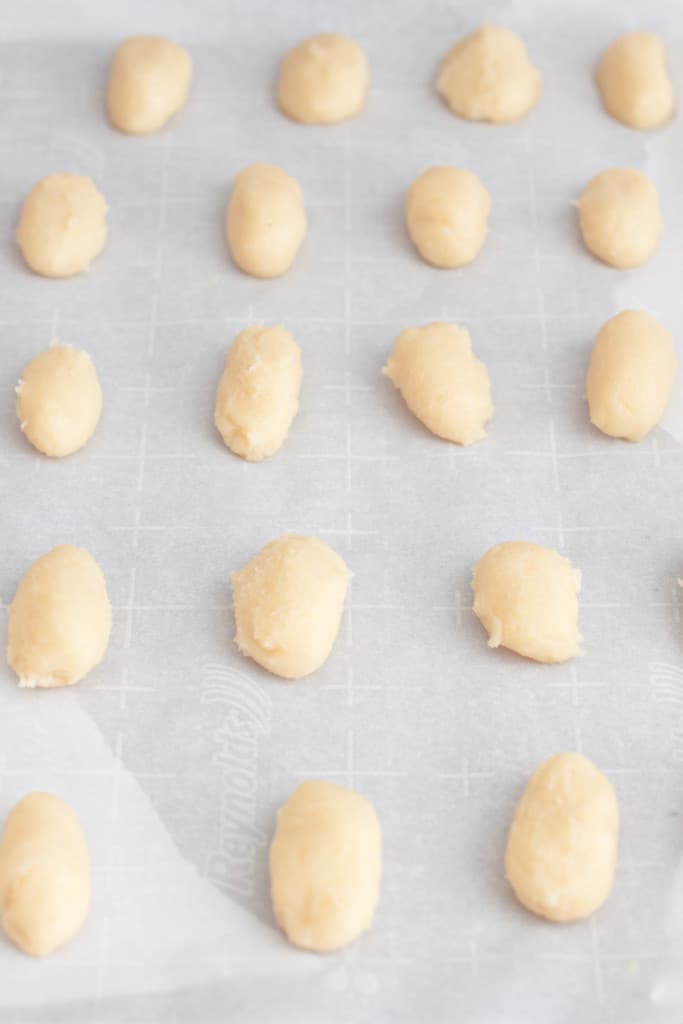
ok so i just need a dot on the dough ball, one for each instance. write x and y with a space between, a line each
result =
619 217
63 225
59 400
488 77
325 866
288 604
44 874
441 381
634 82
148 83
323 80
266 220
630 376
446 211
525 597
258 393
562 847
59 620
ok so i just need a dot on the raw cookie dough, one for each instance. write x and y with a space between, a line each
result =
525 597
60 619
562 847
288 604
441 381
44 874
446 210
619 217
59 400
62 226
323 80
634 81
630 376
266 220
258 393
148 83
325 866
488 77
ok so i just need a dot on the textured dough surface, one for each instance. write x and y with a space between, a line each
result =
619 217
525 597
265 221
441 381
562 847
59 400
634 81
44 874
323 80
149 82
325 866
446 210
630 375
62 226
488 77
288 604
59 620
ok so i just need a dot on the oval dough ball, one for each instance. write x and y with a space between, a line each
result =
325 866
446 211
59 620
323 80
619 217
488 77
442 381
634 81
562 847
266 220
630 376
258 393
44 874
59 400
525 597
288 605
148 83
63 225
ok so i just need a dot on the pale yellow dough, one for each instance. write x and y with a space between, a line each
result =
446 210
525 597
63 225
441 381
288 604
325 866
323 80
149 82
488 77
562 847
44 874
59 620
265 221
634 81
619 217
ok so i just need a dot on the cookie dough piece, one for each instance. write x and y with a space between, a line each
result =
488 77
258 393
323 80
619 217
442 381
59 620
325 866
634 81
446 211
630 375
148 83
63 225
525 597
288 604
266 220
562 847
44 874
